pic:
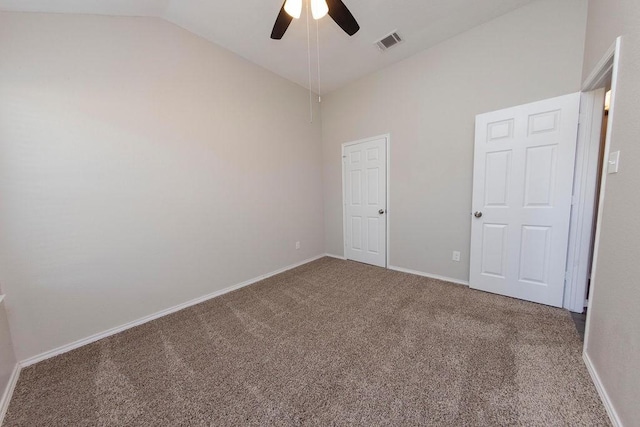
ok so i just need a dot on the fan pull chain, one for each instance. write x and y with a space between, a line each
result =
318 50
309 63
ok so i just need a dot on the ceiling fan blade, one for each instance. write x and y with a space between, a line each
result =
282 23
339 12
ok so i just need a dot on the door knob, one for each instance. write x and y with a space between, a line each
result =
478 214
381 211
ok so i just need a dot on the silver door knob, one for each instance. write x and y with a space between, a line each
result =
381 211
478 214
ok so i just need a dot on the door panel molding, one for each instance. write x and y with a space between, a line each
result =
370 154
524 159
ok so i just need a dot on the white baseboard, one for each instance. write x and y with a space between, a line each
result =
613 415
415 272
431 276
8 392
95 337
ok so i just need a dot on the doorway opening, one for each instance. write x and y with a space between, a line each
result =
589 161
592 166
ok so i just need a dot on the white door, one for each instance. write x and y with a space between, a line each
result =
365 201
522 190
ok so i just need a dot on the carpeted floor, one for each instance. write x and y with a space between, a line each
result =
329 343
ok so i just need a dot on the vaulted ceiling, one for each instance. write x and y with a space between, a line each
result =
244 26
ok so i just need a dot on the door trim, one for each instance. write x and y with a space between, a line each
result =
602 70
609 63
603 185
387 138
584 200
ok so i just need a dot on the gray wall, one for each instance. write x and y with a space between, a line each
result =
613 338
428 104
142 167
608 19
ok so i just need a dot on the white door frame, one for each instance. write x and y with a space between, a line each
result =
387 138
598 77
583 215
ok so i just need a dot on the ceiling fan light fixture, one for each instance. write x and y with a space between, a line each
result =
319 8
293 8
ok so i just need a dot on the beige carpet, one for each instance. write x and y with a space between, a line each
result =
329 343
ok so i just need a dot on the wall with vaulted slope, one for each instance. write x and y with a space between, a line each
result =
141 167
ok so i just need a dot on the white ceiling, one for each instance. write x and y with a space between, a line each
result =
244 26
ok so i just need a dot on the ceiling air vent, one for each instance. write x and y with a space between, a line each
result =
389 41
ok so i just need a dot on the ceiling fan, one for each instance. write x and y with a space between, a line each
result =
319 8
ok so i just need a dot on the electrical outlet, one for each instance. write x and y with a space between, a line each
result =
456 256
297 245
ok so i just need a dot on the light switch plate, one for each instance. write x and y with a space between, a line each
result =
614 162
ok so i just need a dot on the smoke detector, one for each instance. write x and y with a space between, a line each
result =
389 41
